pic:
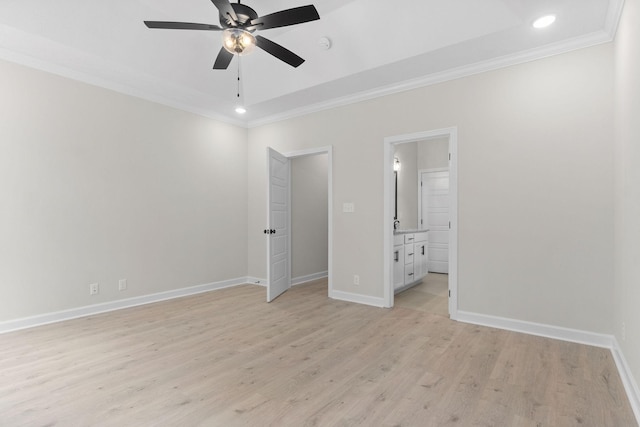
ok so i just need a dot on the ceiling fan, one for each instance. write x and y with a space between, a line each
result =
238 22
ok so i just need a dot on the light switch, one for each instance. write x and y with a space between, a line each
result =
348 208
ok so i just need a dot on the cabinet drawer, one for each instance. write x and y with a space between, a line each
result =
408 274
398 239
421 237
408 253
409 238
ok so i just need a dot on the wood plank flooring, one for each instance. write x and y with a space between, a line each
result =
227 358
430 296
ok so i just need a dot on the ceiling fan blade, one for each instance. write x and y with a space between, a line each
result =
297 15
181 26
225 9
278 51
223 60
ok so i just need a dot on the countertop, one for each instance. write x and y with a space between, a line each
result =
408 231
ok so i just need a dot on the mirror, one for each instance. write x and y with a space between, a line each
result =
414 157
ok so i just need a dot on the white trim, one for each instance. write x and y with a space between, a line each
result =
566 334
538 329
630 385
453 217
309 278
89 310
614 13
587 40
257 281
108 84
357 298
387 227
607 34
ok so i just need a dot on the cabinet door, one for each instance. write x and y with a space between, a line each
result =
398 266
421 257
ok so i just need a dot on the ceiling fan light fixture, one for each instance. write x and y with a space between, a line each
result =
238 41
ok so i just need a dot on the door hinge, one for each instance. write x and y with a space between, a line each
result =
449 293
421 222
449 225
449 156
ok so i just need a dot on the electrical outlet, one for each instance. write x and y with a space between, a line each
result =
94 289
356 279
122 284
624 331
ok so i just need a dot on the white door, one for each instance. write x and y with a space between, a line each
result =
279 265
435 218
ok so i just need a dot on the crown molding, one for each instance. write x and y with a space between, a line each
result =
588 40
83 77
607 34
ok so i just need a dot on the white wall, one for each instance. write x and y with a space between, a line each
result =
535 179
627 186
433 154
97 186
309 215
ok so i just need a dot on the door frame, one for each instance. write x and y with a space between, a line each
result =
328 150
389 142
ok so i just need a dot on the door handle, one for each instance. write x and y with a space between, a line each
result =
395 257
422 250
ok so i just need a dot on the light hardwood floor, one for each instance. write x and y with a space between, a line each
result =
430 296
227 358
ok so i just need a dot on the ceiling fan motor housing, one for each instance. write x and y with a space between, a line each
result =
245 15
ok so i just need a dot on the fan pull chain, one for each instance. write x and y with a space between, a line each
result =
239 107
238 78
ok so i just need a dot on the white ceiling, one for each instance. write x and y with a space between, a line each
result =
378 47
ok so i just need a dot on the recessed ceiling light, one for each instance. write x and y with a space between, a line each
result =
241 110
544 21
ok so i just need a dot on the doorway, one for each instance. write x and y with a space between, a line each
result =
390 145
309 233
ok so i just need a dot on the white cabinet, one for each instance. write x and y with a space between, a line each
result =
398 266
421 255
410 256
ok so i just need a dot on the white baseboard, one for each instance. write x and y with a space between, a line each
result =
539 329
358 298
308 278
566 334
59 316
630 384
257 281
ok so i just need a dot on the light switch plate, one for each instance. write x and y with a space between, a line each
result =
348 207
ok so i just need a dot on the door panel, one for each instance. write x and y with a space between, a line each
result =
435 217
279 265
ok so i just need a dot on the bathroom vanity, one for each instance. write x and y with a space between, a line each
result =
410 258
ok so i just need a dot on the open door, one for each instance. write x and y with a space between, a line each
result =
278 253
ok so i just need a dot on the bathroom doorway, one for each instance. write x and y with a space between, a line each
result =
409 159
